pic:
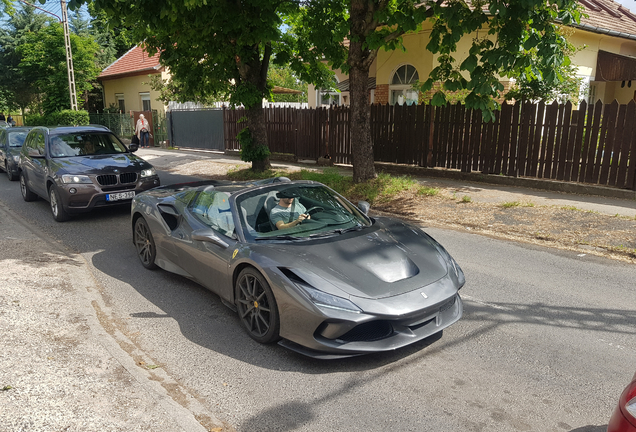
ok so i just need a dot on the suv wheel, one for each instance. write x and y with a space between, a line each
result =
59 214
27 195
10 174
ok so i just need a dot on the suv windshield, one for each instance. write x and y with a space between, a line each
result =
85 144
16 139
274 213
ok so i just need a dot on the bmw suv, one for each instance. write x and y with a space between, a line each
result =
80 168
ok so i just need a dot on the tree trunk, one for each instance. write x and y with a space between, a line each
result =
258 129
360 120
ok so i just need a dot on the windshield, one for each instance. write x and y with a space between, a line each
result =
297 212
16 139
85 144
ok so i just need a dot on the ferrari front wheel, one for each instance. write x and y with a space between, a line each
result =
145 244
257 306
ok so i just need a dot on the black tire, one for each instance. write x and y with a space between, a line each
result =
59 214
145 244
256 305
12 177
27 195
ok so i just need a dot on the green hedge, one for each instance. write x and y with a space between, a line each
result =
58 118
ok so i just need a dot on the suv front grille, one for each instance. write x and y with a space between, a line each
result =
111 179
107 180
128 178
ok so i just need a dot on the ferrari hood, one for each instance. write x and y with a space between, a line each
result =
380 261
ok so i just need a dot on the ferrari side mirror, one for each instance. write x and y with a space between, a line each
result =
364 207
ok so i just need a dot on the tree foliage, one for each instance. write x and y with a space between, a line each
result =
349 33
531 87
33 60
43 63
212 48
284 76
17 89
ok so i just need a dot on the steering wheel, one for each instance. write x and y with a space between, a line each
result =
313 209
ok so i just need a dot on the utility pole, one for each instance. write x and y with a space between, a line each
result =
67 44
69 57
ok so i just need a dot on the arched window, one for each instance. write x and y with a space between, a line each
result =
401 88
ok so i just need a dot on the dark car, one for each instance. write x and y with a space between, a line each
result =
323 279
11 140
624 417
81 168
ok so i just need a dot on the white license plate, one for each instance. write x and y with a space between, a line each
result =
120 196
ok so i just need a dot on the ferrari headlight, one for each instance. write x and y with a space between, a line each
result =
77 179
452 264
148 172
324 300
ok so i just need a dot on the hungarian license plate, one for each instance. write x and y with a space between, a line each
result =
120 196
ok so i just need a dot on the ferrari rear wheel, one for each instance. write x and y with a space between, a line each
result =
145 244
257 306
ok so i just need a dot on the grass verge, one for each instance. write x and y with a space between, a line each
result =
383 188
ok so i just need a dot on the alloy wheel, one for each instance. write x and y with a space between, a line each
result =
257 307
145 244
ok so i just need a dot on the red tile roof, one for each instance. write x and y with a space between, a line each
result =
134 62
608 17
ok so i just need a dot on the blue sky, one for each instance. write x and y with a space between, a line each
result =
629 4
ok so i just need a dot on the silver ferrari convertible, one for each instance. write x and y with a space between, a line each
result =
300 264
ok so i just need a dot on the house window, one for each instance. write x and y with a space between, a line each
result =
120 102
401 90
145 101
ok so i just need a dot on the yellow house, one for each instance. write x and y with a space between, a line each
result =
607 62
126 82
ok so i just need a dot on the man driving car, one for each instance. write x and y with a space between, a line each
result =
288 212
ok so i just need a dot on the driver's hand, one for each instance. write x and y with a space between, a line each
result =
302 217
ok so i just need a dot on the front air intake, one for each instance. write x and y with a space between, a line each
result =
368 332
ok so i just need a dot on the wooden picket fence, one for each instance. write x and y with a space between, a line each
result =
594 144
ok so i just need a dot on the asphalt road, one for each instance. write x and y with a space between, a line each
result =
546 343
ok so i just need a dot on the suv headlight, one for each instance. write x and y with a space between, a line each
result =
148 172
78 179
16 158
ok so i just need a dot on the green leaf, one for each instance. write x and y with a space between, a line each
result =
439 99
469 64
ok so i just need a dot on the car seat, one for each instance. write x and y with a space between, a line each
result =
220 214
270 202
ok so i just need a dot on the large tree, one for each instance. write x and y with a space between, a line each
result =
18 88
43 63
213 47
349 33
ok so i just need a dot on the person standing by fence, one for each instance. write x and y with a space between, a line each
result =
142 130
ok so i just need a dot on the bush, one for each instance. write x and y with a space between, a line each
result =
69 118
58 118
34 120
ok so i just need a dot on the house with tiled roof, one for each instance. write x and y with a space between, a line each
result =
126 82
606 62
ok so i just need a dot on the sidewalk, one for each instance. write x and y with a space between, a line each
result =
604 200
59 369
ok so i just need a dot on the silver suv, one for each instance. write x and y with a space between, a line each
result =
80 168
